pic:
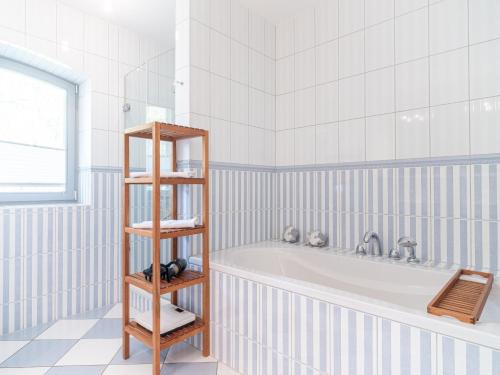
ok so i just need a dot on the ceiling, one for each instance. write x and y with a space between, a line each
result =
278 10
150 18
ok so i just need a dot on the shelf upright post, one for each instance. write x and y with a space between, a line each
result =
174 211
126 249
205 250
156 248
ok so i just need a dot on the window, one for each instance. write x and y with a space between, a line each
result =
37 135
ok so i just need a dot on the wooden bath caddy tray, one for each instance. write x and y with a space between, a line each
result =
462 299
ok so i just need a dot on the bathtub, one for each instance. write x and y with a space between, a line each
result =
387 289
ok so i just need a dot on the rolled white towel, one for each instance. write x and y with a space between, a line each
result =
168 224
179 174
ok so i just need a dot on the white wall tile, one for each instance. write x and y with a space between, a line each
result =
351 98
129 47
327 21
412 134
448 25
71 57
351 54
327 62
285 75
351 16
13 14
257 105
13 36
412 85
379 46
305 107
270 76
199 39
41 18
239 143
483 20
380 91
183 49
449 126
305 143
327 103
257 70
220 97
100 108
114 114
304 30
352 141
257 146
450 77
220 15
484 120
97 69
257 33
239 103
239 62
405 6
484 69
96 36
70 27
220 138
270 112
220 56
285 111
200 10
270 40
284 39
380 137
199 99
99 148
377 11
42 46
412 36
305 67
285 147
239 22
327 141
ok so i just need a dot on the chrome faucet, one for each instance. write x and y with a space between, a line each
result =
405 243
363 246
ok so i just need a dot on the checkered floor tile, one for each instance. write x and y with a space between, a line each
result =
90 343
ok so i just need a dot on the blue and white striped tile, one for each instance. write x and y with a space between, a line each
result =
246 297
386 227
275 318
351 229
420 229
405 350
413 189
353 342
457 357
485 240
484 191
451 242
381 191
450 191
272 363
310 327
352 190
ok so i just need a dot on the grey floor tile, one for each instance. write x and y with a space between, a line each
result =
76 370
202 368
139 354
92 314
26 334
39 353
105 329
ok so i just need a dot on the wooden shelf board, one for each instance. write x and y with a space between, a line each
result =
165 181
166 233
174 337
185 279
168 132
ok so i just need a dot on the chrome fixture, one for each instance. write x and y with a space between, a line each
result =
126 107
408 243
363 246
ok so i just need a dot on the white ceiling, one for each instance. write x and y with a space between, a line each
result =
151 18
278 10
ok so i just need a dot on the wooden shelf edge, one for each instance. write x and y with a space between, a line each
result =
179 335
165 234
190 278
168 132
165 181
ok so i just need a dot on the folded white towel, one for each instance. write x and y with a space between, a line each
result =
182 174
168 224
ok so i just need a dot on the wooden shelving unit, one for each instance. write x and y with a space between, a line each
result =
172 133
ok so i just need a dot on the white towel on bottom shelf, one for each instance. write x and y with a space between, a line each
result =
168 224
179 174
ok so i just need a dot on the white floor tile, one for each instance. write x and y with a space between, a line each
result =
115 312
24 371
128 370
222 369
7 348
67 329
186 353
91 352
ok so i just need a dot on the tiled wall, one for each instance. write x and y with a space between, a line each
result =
365 80
226 58
259 329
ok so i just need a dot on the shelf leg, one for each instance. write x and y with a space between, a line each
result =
125 253
206 270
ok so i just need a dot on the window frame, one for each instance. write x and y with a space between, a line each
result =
71 88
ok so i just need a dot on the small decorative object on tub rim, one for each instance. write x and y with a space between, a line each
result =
316 239
290 234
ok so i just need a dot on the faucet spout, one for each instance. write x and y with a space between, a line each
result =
371 235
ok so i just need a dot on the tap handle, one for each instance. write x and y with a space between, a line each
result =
407 242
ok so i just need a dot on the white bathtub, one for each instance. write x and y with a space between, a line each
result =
396 291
